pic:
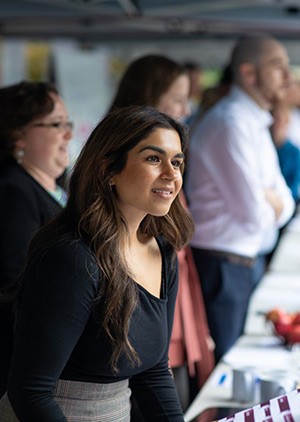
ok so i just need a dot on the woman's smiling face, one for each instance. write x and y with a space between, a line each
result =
152 176
45 146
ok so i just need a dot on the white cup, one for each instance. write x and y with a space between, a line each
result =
270 388
243 385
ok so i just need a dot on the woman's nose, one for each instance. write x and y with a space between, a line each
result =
170 173
68 134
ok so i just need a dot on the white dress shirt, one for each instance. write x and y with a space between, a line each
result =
232 161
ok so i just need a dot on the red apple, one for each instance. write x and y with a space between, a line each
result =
296 318
283 327
293 336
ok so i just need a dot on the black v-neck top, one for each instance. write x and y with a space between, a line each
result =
58 336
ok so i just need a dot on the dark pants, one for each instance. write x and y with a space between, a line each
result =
226 288
181 380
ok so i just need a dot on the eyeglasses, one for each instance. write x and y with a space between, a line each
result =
57 125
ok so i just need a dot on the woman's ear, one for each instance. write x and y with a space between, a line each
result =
20 143
19 146
111 183
20 138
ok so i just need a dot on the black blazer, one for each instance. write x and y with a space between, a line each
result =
24 207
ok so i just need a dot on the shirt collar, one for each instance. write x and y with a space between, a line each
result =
261 116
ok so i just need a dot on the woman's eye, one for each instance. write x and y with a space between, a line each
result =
177 163
153 159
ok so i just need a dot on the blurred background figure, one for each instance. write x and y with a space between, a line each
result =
157 81
211 95
288 152
34 137
237 194
293 100
195 72
164 84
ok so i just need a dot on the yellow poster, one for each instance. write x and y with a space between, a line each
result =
37 61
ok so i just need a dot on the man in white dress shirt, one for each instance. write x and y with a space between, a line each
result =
237 194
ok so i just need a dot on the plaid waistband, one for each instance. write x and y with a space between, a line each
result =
90 390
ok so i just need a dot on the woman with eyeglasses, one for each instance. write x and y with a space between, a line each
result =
34 137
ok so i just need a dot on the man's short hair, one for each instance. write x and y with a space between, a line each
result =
248 49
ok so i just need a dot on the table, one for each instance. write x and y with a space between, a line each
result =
215 392
287 255
263 354
258 348
276 290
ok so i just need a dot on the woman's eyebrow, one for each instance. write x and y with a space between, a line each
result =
160 151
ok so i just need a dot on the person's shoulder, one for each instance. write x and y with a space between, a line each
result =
72 253
220 119
219 113
71 244
292 147
234 110
234 113
167 250
64 263
9 171
14 178
164 244
288 151
14 186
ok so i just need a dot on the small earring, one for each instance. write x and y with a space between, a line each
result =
111 184
19 156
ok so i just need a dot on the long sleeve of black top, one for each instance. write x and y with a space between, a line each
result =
59 338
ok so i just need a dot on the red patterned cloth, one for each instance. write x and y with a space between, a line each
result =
190 341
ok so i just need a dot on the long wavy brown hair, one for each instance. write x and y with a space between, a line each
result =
93 211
